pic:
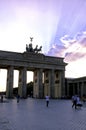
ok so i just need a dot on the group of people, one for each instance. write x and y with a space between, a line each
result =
76 101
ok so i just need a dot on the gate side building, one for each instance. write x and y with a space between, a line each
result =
75 86
47 70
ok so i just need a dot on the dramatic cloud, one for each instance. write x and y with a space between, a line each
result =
73 49
70 48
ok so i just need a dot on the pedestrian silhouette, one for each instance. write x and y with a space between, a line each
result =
47 100
18 98
74 101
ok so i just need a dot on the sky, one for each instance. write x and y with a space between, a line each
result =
58 25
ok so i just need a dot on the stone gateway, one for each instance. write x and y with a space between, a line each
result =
49 73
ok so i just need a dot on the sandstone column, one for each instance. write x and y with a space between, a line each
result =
22 82
49 83
52 83
62 81
78 88
46 83
57 84
82 86
9 86
38 83
40 79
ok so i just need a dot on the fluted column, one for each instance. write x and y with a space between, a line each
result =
78 88
62 81
49 83
40 79
38 84
46 82
9 86
22 82
82 87
52 83
59 84
68 90
35 87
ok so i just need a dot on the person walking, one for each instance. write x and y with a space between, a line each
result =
18 98
79 104
47 100
74 101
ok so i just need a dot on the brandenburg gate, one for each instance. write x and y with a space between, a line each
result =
48 72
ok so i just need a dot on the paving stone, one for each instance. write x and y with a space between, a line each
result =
32 114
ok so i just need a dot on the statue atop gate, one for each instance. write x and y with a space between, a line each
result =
29 48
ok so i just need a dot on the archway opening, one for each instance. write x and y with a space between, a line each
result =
29 83
3 79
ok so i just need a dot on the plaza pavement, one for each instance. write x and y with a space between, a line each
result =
32 114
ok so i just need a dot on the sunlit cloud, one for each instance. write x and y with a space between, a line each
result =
76 49
74 52
71 48
66 40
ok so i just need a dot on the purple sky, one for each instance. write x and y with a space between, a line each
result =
58 25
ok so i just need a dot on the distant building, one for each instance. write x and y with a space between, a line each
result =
75 86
